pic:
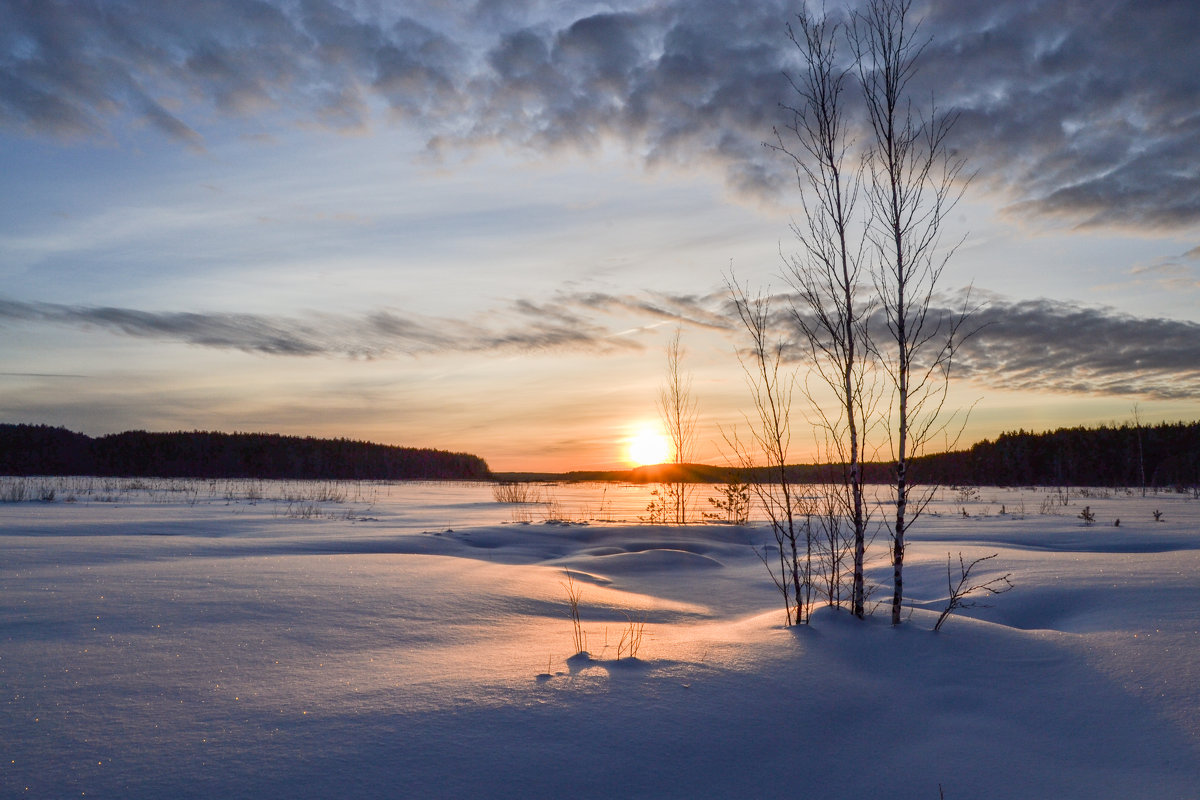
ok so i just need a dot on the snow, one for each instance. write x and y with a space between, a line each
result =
182 640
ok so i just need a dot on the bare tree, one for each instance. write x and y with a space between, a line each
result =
913 183
770 440
1137 426
830 312
677 408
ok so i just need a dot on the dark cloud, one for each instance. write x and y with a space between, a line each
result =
1080 113
1040 346
1046 346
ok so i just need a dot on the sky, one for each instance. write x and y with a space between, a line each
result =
477 226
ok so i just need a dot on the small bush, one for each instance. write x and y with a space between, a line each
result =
733 506
963 590
663 501
966 494
514 492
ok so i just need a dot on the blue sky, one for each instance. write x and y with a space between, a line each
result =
475 227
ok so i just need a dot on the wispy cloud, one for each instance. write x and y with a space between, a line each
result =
1081 114
64 375
1032 345
522 327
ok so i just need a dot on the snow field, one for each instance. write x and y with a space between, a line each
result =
417 644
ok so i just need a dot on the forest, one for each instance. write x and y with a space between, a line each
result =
1156 456
45 450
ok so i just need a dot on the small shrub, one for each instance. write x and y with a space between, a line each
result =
1157 515
1087 515
514 492
733 506
966 494
964 589
662 503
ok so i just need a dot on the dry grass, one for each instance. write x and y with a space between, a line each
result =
574 595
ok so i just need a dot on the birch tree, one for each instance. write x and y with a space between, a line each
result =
912 184
826 273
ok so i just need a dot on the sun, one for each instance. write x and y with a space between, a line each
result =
648 446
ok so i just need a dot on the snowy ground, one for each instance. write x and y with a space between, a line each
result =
205 639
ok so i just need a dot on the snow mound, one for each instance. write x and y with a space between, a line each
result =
652 560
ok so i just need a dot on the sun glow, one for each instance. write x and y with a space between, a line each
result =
648 446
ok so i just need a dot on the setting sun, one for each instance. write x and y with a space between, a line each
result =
648 446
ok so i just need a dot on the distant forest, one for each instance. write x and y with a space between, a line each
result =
45 450
1166 455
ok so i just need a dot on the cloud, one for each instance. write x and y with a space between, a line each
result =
1062 348
66 375
701 311
524 326
1172 274
1082 112
1041 346
1074 113
1031 345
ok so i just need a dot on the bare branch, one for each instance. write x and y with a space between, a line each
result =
963 590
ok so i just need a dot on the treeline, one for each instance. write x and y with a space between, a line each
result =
1168 455
45 450
1164 455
